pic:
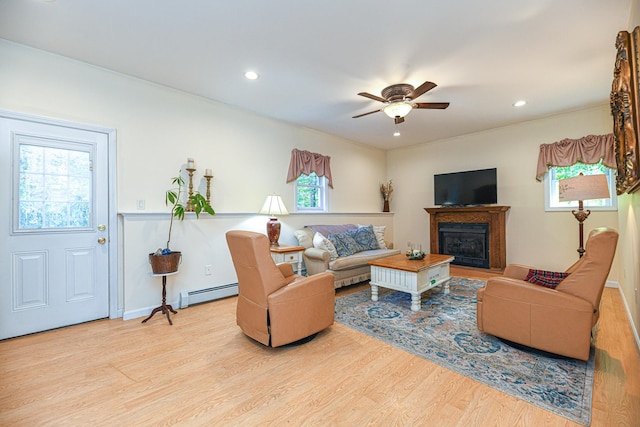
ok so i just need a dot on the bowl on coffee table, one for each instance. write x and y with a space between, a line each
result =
415 254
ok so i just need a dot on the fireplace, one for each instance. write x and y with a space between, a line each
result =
468 242
493 216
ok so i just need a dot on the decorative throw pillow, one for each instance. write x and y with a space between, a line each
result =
548 279
365 238
321 242
378 230
303 238
345 243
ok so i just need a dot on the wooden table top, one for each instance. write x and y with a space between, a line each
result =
285 248
401 262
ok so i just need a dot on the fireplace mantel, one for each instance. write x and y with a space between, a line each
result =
495 216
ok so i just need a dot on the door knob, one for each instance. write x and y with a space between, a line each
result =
102 240
102 227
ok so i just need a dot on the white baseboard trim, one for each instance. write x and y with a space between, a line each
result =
633 327
143 312
188 298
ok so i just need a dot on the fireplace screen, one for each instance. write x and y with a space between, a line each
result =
468 242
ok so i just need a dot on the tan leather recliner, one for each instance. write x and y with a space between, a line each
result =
276 306
556 320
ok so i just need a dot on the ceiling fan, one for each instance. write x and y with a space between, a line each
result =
398 100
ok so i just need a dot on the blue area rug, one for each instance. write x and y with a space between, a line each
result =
445 332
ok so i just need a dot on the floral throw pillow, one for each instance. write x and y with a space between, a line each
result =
365 237
378 230
354 241
321 242
548 279
344 243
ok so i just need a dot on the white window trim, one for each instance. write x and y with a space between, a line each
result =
612 192
324 206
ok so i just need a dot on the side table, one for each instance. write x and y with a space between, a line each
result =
288 253
164 308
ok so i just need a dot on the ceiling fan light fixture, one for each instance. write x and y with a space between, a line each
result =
397 109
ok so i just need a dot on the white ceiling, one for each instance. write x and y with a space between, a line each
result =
315 56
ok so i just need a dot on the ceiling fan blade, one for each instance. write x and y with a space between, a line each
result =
375 98
366 114
422 89
431 105
399 120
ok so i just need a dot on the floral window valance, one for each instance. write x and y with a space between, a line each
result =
589 149
305 162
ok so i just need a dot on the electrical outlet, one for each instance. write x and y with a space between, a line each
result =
140 205
208 270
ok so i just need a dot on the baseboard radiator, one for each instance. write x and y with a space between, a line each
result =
188 298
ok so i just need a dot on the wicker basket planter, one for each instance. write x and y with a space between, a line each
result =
164 264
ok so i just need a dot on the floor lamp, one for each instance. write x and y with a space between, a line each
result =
583 187
273 206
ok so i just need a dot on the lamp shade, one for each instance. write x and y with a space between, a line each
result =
274 206
583 187
397 109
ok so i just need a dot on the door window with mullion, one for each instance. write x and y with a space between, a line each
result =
53 185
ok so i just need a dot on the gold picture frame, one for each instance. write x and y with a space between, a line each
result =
625 109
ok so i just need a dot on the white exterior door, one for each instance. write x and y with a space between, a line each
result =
54 238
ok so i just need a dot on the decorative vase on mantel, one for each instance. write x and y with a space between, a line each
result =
385 207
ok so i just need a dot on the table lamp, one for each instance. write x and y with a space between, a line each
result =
273 206
583 187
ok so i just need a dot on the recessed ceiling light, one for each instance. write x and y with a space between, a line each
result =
251 75
519 103
396 133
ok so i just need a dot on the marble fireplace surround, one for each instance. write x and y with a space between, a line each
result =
494 216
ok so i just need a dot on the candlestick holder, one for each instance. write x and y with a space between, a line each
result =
208 178
189 205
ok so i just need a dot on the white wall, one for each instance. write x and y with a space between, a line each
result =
629 254
202 243
157 129
534 237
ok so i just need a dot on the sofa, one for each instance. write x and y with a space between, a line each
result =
344 250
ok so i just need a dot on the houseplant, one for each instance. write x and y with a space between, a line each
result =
165 260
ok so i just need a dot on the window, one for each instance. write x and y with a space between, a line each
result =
552 203
311 193
54 187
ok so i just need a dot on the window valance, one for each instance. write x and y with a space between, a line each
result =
588 149
305 162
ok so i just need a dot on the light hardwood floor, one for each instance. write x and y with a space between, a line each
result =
203 371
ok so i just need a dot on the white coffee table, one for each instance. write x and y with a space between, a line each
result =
412 276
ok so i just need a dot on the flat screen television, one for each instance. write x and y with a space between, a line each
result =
477 187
